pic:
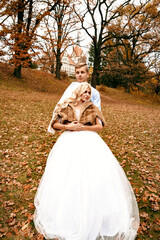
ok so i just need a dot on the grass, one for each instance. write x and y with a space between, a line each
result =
131 132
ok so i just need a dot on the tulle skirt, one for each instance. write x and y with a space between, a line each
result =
84 193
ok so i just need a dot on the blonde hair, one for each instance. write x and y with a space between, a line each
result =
75 97
79 65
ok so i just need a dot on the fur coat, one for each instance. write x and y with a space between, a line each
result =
88 114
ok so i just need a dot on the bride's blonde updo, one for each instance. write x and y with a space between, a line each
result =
75 97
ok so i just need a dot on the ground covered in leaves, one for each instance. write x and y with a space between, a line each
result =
131 132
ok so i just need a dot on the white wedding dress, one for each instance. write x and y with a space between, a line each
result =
84 193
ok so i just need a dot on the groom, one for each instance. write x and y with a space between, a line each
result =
82 74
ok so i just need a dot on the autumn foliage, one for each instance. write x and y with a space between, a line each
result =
20 20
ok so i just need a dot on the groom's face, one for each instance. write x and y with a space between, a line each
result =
81 74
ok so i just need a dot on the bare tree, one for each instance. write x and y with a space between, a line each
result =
59 26
101 15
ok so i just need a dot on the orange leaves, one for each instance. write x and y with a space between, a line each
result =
144 215
8 204
151 8
26 229
31 207
152 198
151 189
27 187
11 221
39 237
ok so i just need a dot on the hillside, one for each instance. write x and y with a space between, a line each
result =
131 132
32 79
40 81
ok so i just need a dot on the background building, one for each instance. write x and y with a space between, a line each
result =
69 61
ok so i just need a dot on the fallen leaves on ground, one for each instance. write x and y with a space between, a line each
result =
131 132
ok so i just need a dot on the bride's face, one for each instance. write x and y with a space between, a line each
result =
86 95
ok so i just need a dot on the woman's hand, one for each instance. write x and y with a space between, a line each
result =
77 126
74 126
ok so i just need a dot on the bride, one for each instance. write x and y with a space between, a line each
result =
84 193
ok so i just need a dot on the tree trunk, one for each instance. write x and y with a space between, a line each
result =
94 78
17 71
59 45
157 89
128 90
52 68
58 64
18 66
96 68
